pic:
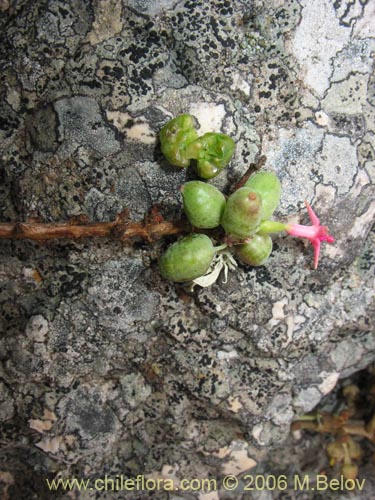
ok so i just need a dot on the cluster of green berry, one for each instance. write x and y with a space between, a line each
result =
244 216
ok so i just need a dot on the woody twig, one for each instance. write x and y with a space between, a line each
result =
152 228
121 229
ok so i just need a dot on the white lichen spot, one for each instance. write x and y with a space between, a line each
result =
329 382
221 452
225 355
234 404
290 321
239 83
170 471
237 459
37 328
297 434
45 423
322 119
209 115
278 312
139 131
51 445
40 425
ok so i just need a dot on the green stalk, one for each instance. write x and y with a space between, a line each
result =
271 226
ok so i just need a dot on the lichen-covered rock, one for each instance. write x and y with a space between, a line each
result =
106 369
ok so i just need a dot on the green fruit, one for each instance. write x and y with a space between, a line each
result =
268 186
175 136
256 251
213 152
242 214
187 259
203 204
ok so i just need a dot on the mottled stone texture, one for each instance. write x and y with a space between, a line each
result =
106 368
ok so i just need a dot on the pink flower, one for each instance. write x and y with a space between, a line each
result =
315 233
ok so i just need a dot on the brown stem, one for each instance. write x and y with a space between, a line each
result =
252 168
119 229
151 229
357 429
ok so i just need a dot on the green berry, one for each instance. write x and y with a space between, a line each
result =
242 214
213 152
175 136
268 186
256 251
203 204
187 259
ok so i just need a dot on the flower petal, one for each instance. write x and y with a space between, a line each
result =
313 217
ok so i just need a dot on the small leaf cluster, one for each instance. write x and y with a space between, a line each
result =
180 144
243 216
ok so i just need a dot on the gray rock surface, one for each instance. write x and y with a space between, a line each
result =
106 369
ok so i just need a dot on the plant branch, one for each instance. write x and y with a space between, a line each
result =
152 228
254 167
356 428
121 228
